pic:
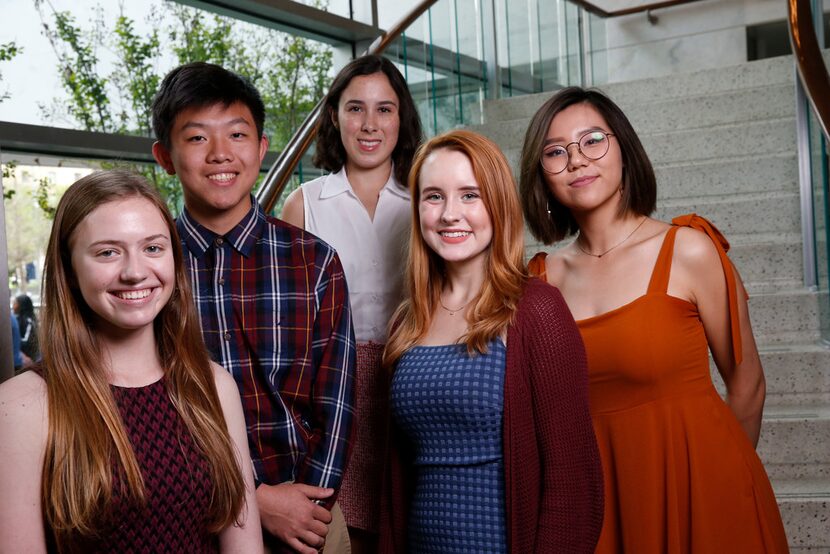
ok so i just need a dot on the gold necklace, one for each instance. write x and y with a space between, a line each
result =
613 247
455 311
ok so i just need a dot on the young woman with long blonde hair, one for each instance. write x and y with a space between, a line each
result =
126 438
489 390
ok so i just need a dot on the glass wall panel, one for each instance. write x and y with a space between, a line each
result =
95 65
821 214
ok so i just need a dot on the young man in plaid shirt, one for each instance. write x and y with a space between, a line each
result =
271 297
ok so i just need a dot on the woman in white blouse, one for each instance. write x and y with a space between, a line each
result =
367 138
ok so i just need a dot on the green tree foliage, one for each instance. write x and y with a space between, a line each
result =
29 210
291 73
7 51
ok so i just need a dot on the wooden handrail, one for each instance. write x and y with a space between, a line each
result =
281 171
596 10
809 60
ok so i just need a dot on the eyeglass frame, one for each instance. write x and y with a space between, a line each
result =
579 149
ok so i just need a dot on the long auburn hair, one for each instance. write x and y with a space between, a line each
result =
493 309
86 440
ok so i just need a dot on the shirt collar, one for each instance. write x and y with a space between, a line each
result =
242 237
337 183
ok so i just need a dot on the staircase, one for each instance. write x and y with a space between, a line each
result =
723 145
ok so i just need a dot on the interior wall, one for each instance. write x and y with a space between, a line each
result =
700 35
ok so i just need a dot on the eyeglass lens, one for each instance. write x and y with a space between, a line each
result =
593 145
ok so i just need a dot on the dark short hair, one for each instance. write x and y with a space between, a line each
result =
200 84
639 194
330 154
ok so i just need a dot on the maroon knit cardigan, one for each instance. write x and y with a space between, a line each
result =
553 476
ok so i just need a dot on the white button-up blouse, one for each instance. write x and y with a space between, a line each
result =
372 251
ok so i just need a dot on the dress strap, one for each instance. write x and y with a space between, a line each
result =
662 267
536 266
722 246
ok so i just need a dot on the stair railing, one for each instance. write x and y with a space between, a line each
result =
815 85
282 169
596 10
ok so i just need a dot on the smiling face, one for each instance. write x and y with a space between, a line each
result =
123 262
585 184
216 152
368 120
453 218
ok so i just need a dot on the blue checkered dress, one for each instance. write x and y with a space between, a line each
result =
449 405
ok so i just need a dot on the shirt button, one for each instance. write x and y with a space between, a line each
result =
375 297
227 336
374 263
219 241
221 280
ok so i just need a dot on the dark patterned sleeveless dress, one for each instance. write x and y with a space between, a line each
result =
450 407
176 480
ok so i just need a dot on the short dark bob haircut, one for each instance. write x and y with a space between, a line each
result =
198 85
639 185
330 154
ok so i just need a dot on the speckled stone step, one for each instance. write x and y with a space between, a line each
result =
776 172
740 213
794 442
805 510
763 73
797 377
785 317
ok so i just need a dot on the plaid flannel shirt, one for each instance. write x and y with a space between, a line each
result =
275 313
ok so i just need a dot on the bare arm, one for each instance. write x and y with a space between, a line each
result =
246 536
700 266
293 211
23 428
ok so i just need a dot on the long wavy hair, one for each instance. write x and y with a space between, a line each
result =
493 309
87 442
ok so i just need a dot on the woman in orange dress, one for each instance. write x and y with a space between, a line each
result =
651 300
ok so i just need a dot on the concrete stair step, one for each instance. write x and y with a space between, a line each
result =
740 213
723 141
679 146
794 442
785 317
805 510
693 112
776 172
774 71
717 144
771 102
796 376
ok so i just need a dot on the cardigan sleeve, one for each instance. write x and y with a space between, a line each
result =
570 517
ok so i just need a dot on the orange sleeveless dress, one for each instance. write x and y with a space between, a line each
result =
680 473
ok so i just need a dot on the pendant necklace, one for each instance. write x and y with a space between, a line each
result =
600 255
453 311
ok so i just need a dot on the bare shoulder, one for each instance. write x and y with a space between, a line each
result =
556 265
225 383
694 250
293 209
24 392
23 409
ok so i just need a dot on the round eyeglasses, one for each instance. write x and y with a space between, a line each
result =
592 145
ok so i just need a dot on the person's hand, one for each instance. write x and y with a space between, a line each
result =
288 512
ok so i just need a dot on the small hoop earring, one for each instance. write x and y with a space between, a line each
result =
548 207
